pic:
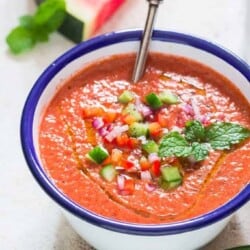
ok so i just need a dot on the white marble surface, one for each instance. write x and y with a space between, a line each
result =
29 220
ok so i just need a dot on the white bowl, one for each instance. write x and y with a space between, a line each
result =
104 233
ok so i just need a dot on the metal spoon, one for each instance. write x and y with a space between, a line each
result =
147 33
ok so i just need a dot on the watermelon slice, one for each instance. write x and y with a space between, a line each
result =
85 17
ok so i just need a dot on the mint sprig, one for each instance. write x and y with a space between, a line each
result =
36 28
198 140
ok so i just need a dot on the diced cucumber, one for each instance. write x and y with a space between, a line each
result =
98 154
130 109
168 97
108 173
153 101
174 184
137 129
126 97
171 174
169 185
150 147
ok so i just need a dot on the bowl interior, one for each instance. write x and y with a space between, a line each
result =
117 43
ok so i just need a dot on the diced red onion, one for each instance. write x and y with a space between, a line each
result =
103 131
153 157
150 187
146 111
98 122
197 113
120 182
146 175
138 103
143 109
205 120
110 127
119 168
188 109
116 131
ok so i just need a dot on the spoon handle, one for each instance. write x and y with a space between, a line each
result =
147 33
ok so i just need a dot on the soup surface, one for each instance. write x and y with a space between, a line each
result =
152 152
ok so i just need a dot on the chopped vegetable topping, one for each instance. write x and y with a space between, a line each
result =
168 97
144 163
126 97
154 129
126 186
150 147
131 110
168 185
138 129
146 176
171 173
108 173
116 131
98 154
170 178
156 149
116 155
153 101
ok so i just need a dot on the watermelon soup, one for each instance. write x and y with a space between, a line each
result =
171 147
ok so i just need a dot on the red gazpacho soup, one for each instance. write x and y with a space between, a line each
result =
173 146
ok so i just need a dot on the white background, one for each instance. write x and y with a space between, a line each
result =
29 220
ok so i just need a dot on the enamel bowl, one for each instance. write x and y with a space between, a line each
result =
104 233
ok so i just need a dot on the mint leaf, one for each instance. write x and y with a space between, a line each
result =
174 144
194 131
32 29
223 135
39 33
200 150
50 14
20 39
27 21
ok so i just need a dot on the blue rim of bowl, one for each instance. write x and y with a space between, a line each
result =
39 174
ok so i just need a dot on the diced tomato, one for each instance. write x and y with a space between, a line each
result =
128 119
109 117
127 164
90 112
154 128
116 155
144 163
122 140
182 118
156 168
107 161
162 118
129 187
132 142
